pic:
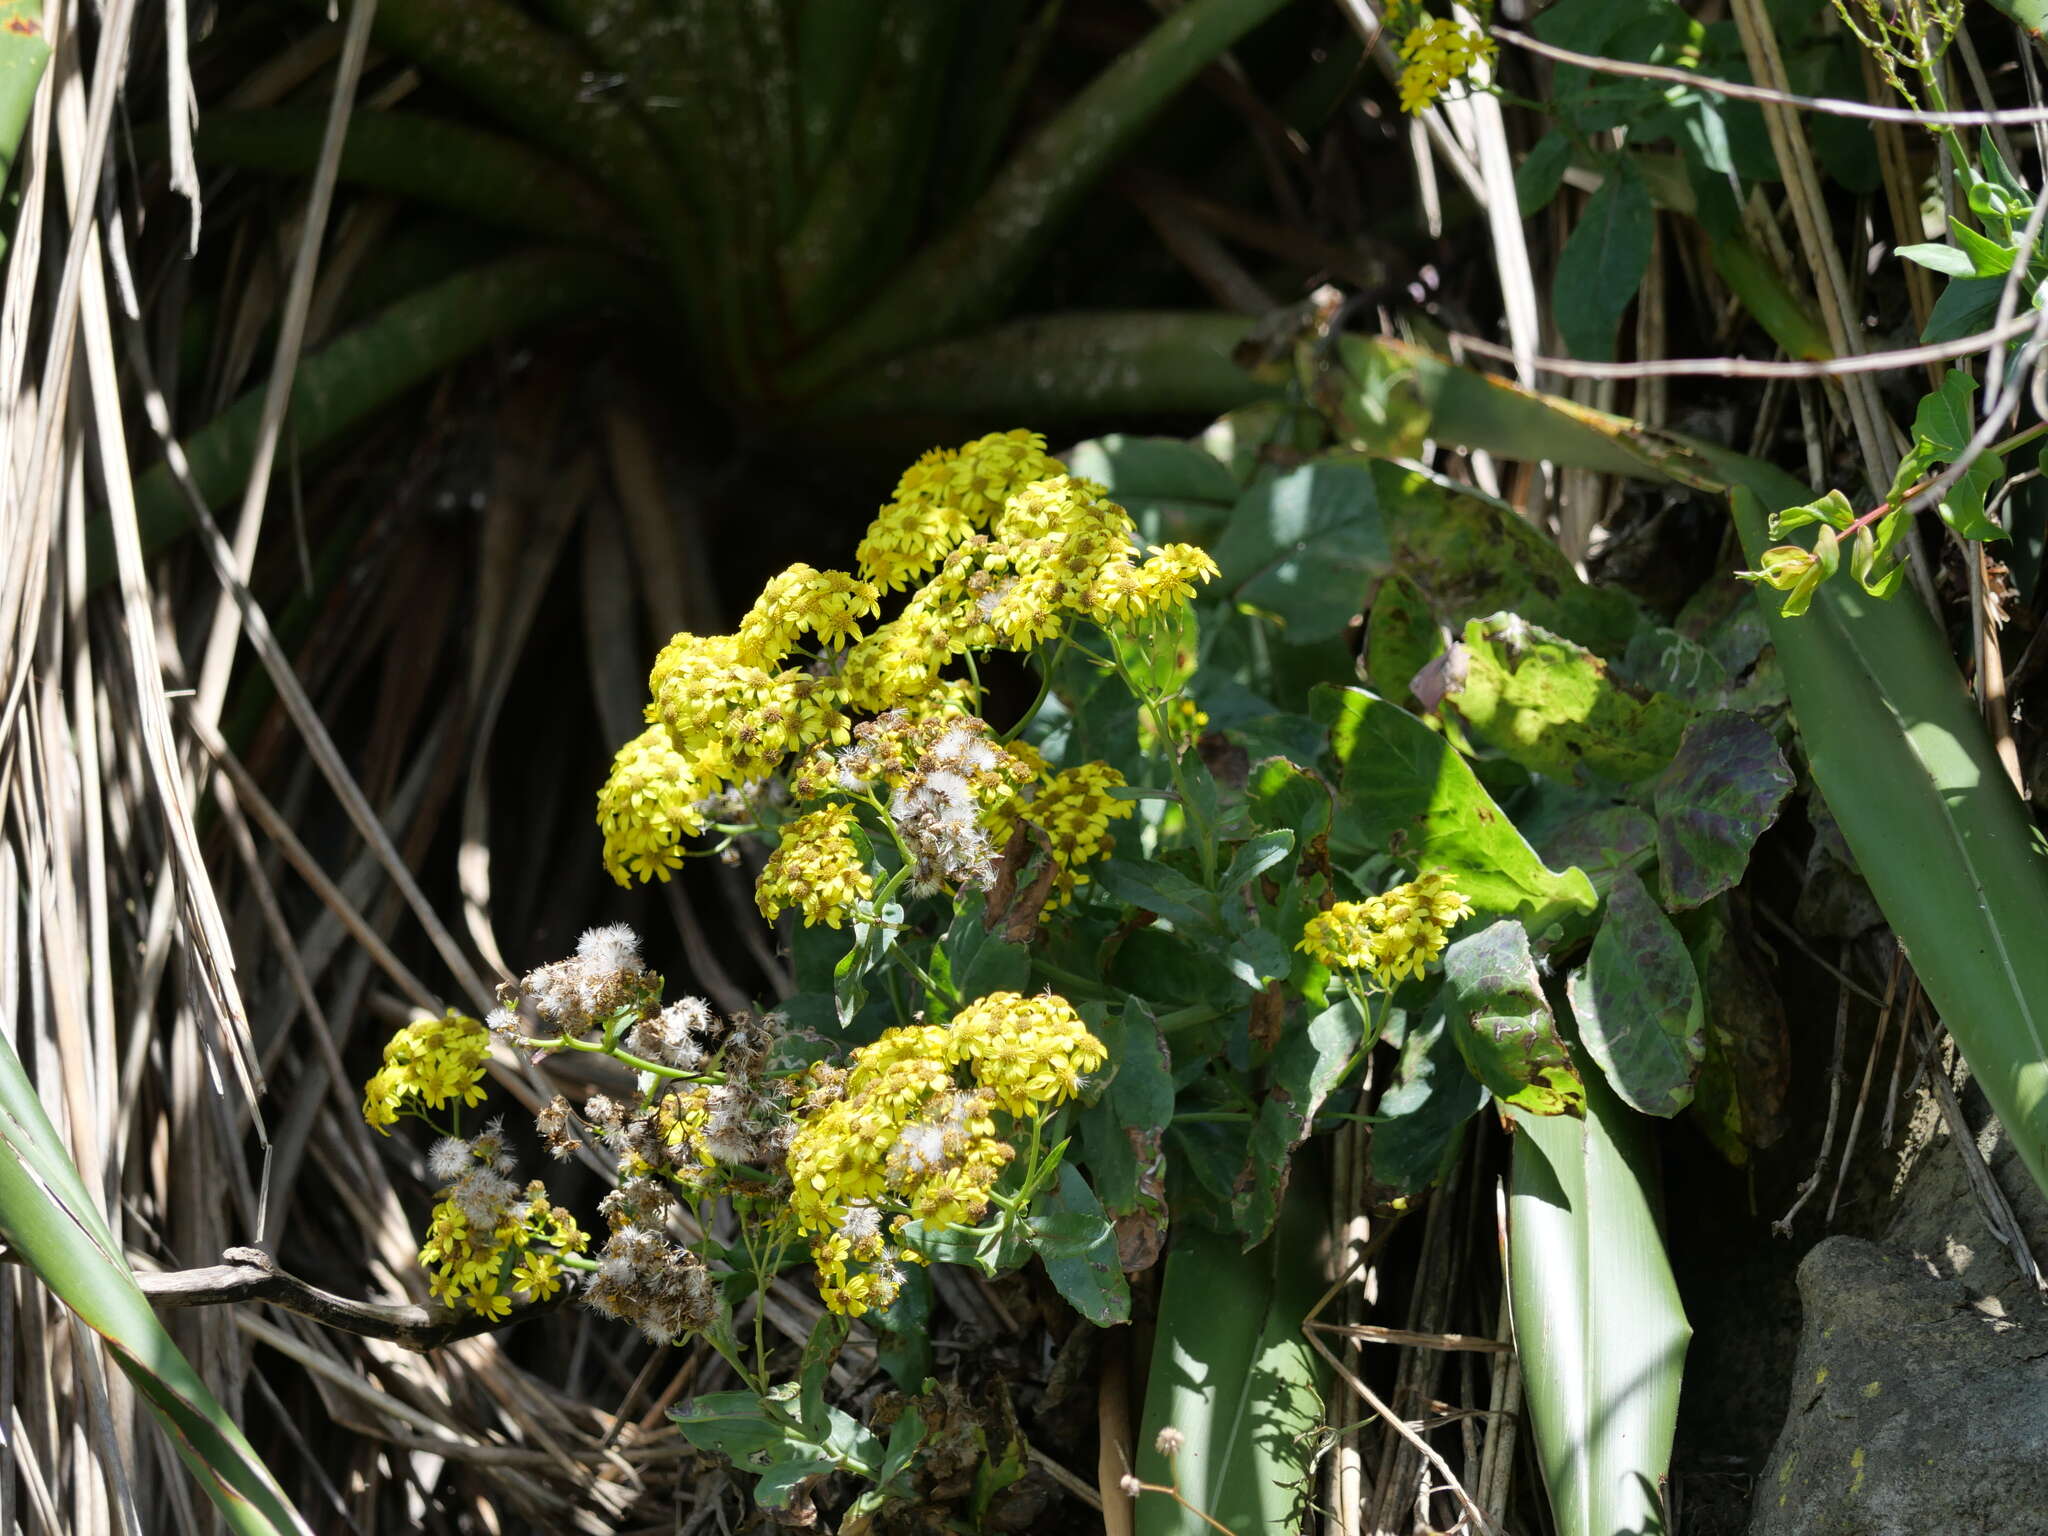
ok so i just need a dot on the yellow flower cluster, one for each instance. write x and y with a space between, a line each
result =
1074 809
1391 936
651 802
1004 550
1438 52
945 496
1029 1051
904 1137
470 1262
428 1062
816 869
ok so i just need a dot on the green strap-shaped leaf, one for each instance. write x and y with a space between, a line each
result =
46 1217
1232 1372
1598 1324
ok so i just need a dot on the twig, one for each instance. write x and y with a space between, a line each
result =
1884 1018
249 1274
1760 368
1477 1516
1782 1227
1833 106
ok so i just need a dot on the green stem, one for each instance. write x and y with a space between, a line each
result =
1044 692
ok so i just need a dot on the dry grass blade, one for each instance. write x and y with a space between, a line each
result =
277 390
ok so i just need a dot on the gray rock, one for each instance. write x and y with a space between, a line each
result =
1915 1408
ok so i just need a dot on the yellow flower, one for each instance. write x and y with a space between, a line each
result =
1074 809
1030 1052
944 497
732 718
901 1135
429 1061
540 1276
816 869
828 604
648 806
1391 936
1439 52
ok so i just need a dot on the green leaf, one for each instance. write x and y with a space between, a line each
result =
1541 173
1305 543
1405 792
1832 509
1962 505
1638 1003
1176 490
875 931
1966 306
1944 841
1600 842
366 368
1282 794
1306 1066
1420 1121
1065 1234
1402 636
1740 1099
1551 706
1090 1279
1503 1025
1254 857
1599 1328
1945 259
1233 1372
1987 257
964 275
1160 888
24 52
1722 791
1468 555
50 1223
1603 262
1944 418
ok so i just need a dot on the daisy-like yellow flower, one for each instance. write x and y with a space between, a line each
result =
1439 52
648 806
816 869
1391 936
429 1062
1074 808
944 497
1031 1052
827 604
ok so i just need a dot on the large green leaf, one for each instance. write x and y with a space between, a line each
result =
367 368
1603 262
24 52
1598 1325
1421 1119
1551 706
1303 544
1232 1371
1722 790
1503 1024
1305 1068
961 279
1407 793
1638 1002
